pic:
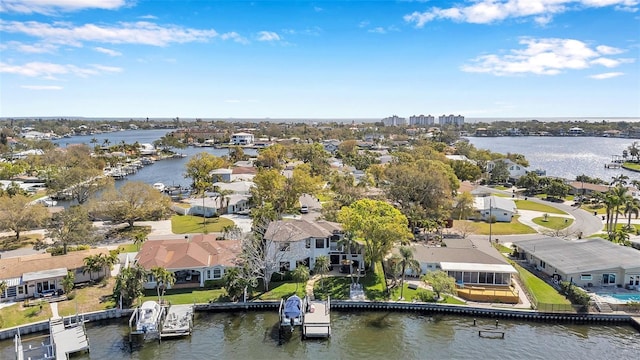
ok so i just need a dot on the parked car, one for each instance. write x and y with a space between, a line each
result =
304 209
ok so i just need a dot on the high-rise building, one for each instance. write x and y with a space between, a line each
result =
422 120
394 120
457 120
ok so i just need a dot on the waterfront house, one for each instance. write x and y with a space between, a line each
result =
585 262
293 242
41 274
242 139
217 204
499 208
222 174
583 188
194 259
515 170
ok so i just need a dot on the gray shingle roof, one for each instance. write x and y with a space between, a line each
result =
573 256
297 230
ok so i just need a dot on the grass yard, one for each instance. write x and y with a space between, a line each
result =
534 206
335 286
186 224
324 197
19 314
631 166
374 284
499 228
26 240
187 296
553 222
282 290
92 297
599 209
540 290
126 248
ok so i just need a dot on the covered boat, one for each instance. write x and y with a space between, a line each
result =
292 312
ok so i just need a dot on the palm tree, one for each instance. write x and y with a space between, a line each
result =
300 274
129 285
620 193
162 276
620 179
139 239
68 282
3 287
91 265
407 262
631 207
321 267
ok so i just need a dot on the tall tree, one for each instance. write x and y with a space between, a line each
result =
91 265
133 201
300 275
377 225
321 267
18 214
164 279
68 282
168 142
71 227
500 172
199 169
129 285
407 262
631 207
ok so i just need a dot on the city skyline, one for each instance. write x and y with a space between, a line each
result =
322 59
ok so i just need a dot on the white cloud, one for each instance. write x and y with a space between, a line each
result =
490 11
378 30
140 32
51 70
109 52
268 36
544 57
49 7
35 48
318 9
235 37
148 17
42 87
608 75
363 24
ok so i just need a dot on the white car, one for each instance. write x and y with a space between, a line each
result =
304 209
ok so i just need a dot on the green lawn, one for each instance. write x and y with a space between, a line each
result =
335 286
631 166
282 290
540 290
374 284
187 296
17 314
128 248
499 228
553 222
622 226
503 249
26 240
323 197
186 224
534 206
601 210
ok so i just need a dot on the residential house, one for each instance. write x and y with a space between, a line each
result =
193 259
293 242
583 188
216 204
41 274
585 262
500 208
242 138
223 174
515 170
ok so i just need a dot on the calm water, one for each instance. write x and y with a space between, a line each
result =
565 157
369 335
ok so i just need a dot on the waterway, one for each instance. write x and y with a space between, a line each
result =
565 157
368 335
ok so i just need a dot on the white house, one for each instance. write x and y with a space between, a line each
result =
515 170
500 208
193 259
294 242
216 204
223 175
147 149
242 138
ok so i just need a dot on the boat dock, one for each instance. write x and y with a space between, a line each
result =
317 320
178 322
67 340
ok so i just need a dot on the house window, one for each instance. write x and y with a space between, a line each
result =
284 266
586 277
217 273
608 278
21 290
307 244
208 274
543 264
285 246
319 243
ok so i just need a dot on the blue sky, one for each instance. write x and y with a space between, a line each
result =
320 59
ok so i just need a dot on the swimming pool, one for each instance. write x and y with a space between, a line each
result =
624 298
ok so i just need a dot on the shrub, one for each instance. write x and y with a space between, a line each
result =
575 294
214 284
426 296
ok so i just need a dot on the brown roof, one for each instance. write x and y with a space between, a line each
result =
459 255
244 170
297 230
192 252
588 186
14 267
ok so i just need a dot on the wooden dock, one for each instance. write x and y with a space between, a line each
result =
317 320
67 340
178 321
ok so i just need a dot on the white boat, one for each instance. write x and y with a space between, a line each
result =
159 186
148 317
292 312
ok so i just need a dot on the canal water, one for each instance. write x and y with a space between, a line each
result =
367 335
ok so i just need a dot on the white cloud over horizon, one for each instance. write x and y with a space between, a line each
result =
268 36
42 87
608 75
47 70
106 51
545 57
491 11
50 7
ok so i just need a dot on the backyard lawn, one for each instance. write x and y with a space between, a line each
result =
500 228
187 296
26 240
335 286
540 290
19 314
89 298
187 224
534 206
282 290
553 222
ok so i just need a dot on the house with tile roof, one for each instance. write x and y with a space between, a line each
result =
193 259
39 274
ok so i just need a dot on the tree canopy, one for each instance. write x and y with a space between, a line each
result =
199 169
132 202
18 214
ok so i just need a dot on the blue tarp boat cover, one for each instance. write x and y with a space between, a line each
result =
293 307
